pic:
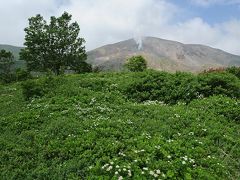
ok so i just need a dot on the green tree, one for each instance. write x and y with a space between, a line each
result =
136 64
54 46
6 62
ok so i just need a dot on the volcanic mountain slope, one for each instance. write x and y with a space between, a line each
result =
161 55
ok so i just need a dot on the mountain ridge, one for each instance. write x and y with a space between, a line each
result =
162 54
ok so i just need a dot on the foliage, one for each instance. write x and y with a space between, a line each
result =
22 75
6 62
54 46
86 127
219 83
37 88
234 70
181 87
136 64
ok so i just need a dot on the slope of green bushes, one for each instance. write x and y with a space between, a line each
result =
148 125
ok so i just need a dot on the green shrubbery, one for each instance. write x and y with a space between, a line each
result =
234 70
173 88
22 75
89 127
33 88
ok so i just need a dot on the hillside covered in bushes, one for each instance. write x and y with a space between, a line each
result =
129 125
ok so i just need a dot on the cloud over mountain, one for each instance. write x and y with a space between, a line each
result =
108 21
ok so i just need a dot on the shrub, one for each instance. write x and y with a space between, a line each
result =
181 87
219 83
234 70
22 75
32 89
220 105
40 87
136 64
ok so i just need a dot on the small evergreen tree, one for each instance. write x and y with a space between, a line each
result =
136 64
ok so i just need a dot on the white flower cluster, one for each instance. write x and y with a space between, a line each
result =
147 135
139 151
148 102
170 140
186 159
118 171
155 173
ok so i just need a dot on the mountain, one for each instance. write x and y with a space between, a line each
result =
15 51
161 55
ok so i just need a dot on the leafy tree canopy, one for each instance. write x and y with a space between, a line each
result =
54 46
136 64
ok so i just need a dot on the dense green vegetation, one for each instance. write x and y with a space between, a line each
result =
142 125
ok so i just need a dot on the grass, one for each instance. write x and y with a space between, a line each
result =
88 127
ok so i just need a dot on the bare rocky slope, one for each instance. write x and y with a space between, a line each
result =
161 55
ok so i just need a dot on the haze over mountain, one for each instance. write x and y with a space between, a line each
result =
161 55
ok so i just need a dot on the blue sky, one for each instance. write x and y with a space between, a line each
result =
215 23
212 13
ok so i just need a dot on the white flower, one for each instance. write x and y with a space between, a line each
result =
124 169
109 168
168 156
155 175
183 162
191 160
116 173
151 172
135 160
145 168
111 163
120 178
158 171
117 166
129 173
169 140
177 115
105 166
143 172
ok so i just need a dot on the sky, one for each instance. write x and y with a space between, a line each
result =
215 23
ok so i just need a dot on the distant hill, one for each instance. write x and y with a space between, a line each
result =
161 55
15 51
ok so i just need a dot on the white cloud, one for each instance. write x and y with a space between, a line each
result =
109 21
14 16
